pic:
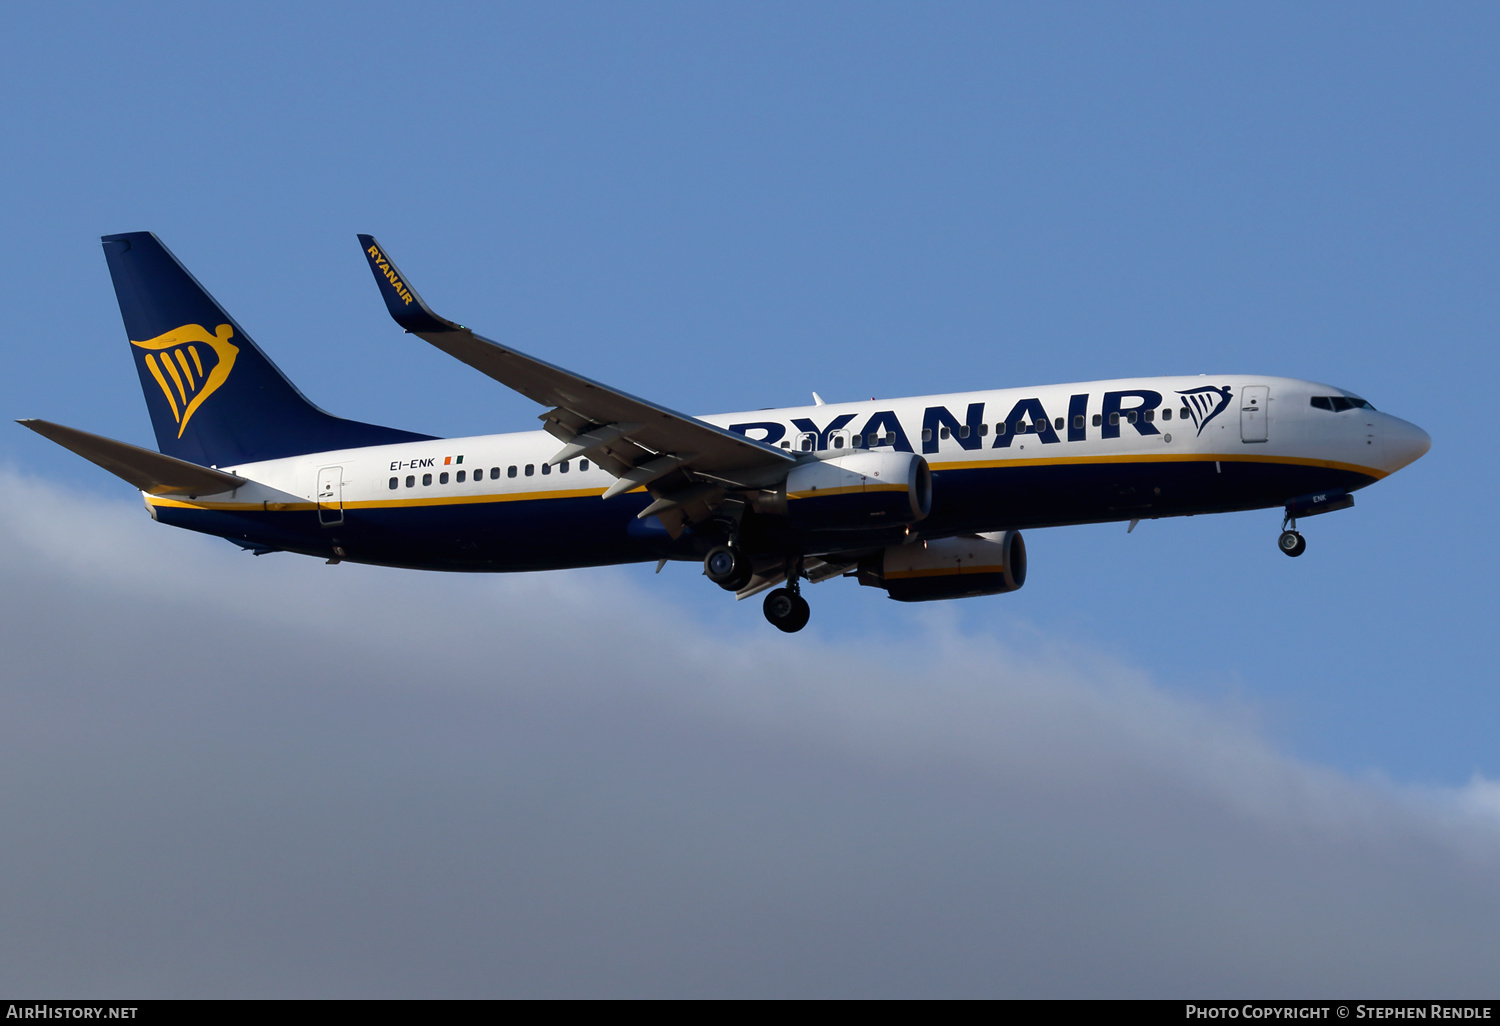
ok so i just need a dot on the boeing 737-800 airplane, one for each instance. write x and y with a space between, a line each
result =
924 497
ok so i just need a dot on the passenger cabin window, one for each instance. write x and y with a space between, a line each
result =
963 431
1078 421
426 480
530 469
495 473
1150 415
1058 423
1114 418
394 482
562 468
546 469
411 481
1098 420
583 465
511 472
459 477
1182 414
1000 428
943 433
927 434
443 477
1166 414
984 429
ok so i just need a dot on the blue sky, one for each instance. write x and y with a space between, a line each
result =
725 207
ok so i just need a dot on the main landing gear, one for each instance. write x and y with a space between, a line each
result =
787 609
1291 542
727 567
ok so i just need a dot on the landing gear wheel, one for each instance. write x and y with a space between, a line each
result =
1292 543
787 610
727 567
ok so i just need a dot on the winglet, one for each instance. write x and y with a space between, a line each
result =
406 307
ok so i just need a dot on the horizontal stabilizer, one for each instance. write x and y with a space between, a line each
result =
149 471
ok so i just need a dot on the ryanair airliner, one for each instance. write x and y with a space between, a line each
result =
924 497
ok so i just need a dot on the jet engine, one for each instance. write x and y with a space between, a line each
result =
946 568
855 492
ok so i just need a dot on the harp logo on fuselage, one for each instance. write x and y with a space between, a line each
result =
189 364
1204 404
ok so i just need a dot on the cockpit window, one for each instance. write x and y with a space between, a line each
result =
1339 403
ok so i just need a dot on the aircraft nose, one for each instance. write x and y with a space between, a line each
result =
1404 443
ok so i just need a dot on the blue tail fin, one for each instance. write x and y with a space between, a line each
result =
214 398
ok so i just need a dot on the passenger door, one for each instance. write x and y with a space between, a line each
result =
1253 413
331 496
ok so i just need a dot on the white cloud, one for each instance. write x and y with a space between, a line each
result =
265 776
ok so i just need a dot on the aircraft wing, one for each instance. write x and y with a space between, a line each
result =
149 471
640 442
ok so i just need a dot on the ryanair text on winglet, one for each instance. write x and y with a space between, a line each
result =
390 274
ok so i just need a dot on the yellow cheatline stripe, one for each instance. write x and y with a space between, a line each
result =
1172 457
441 500
465 500
945 572
166 389
187 371
823 493
166 361
162 500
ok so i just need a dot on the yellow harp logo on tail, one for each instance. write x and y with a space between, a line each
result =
177 364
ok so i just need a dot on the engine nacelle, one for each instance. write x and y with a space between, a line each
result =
946 568
856 492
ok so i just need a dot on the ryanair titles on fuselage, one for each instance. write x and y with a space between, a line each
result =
1133 407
